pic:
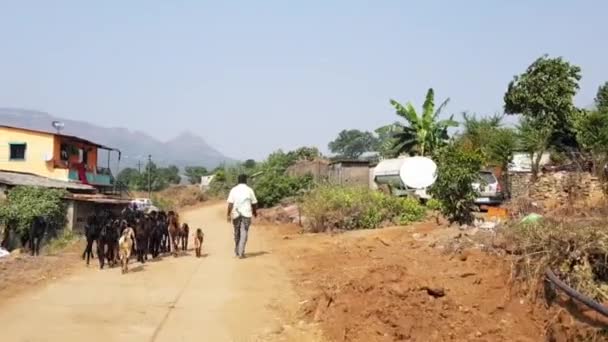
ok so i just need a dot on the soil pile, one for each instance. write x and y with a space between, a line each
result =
397 284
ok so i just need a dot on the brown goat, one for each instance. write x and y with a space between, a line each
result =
198 242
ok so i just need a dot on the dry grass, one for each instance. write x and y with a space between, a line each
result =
576 251
176 197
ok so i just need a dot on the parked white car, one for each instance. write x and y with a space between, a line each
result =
491 192
142 204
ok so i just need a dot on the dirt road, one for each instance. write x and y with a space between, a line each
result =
215 298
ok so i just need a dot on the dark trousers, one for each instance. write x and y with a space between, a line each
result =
241 230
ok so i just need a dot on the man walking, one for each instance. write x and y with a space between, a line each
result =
242 204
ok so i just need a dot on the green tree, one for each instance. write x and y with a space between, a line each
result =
545 93
457 170
249 164
601 99
170 174
353 143
271 187
194 173
592 135
423 133
158 178
477 132
499 152
268 178
128 177
495 143
305 153
385 141
278 161
534 139
24 203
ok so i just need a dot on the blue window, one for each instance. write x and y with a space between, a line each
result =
17 151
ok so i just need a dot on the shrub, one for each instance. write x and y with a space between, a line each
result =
268 178
405 209
334 207
57 244
270 188
163 203
457 169
223 181
577 252
24 203
433 204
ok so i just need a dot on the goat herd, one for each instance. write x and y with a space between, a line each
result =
136 233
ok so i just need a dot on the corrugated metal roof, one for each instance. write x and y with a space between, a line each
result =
349 161
71 137
100 198
18 178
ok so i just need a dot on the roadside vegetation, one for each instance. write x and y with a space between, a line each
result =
23 204
329 208
62 240
268 178
576 251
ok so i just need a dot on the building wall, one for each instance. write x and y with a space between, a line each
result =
349 174
318 169
91 162
39 147
79 211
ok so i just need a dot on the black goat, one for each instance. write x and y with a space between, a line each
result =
107 243
142 235
183 236
156 234
91 232
32 237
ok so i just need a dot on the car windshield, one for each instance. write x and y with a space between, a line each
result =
487 177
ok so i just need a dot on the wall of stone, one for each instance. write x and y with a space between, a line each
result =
557 187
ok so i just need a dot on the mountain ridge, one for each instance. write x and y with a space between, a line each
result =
185 149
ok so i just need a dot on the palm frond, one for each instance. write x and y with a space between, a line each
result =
429 103
408 112
441 107
448 122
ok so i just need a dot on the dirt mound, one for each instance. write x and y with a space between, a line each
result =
392 285
288 213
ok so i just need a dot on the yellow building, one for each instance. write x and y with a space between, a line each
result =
55 156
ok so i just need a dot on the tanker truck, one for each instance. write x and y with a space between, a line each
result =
395 173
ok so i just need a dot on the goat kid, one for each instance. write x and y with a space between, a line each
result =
125 243
198 242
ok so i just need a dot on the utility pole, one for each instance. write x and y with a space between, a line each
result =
149 175
139 166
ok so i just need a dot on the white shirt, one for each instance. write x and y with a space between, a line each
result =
242 198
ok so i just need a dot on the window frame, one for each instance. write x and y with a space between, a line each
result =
10 152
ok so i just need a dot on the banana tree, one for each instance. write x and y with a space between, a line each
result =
386 139
423 133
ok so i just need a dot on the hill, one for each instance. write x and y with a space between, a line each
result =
186 149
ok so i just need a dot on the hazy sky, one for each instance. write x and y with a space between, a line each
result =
254 76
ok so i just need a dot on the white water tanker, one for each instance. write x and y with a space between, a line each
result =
406 176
